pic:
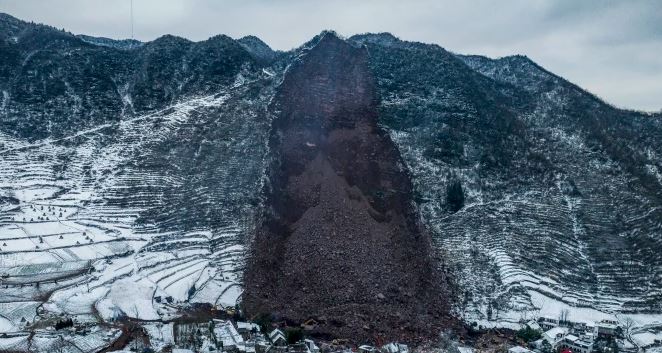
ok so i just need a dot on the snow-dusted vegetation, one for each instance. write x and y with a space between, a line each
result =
561 207
135 215
81 233
133 177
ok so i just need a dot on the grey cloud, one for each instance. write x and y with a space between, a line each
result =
611 47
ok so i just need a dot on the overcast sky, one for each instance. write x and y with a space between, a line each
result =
611 48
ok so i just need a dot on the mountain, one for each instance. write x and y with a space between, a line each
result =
561 191
113 43
387 189
55 83
140 179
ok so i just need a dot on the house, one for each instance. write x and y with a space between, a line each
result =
606 328
246 329
401 348
519 349
555 335
262 346
277 338
576 344
584 329
256 342
534 325
299 347
547 323
367 349
228 336
552 337
277 349
312 347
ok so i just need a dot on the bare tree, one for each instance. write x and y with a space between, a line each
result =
537 308
524 316
627 325
564 316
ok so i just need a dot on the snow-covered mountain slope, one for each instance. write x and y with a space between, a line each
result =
100 223
53 83
561 194
132 176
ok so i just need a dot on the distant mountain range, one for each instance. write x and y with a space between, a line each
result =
385 188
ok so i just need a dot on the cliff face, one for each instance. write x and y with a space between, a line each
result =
341 240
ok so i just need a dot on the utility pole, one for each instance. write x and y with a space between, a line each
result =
132 20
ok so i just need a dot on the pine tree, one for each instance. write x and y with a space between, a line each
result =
454 195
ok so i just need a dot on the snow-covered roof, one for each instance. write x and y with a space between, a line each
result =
400 348
276 334
533 325
465 349
225 332
552 335
247 326
571 338
181 350
310 344
519 349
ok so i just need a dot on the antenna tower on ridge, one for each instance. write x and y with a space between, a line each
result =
132 20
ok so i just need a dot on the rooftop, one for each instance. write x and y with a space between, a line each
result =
519 349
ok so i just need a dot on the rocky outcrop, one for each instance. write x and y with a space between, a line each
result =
341 240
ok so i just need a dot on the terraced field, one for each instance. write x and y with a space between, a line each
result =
132 180
560 204
52 342
98 224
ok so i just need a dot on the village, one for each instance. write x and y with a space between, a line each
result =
543 335
550 335
236 336
204 328
200 328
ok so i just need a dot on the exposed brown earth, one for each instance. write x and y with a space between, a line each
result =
341 240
